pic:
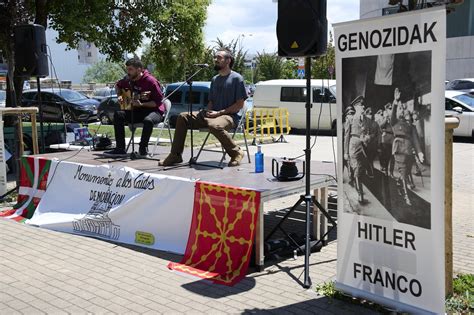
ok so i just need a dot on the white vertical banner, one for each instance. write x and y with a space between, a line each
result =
390 92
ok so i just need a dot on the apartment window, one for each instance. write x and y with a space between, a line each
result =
89 54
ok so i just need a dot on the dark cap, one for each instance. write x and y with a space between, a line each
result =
349 110
357 100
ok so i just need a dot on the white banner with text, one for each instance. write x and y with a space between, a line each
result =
118 204
390 95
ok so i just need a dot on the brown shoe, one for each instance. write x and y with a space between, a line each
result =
235 161
171 159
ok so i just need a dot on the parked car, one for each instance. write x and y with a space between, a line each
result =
76 106
461 105
103 93
3 98
180 98
466 85
106 109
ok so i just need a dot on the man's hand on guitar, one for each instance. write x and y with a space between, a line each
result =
136 103
212 114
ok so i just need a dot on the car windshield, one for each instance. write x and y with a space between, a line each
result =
70 95
466 99
333 89
3 96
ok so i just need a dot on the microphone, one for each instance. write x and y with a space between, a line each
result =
201 65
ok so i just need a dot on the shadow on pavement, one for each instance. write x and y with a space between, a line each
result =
216 291
321 305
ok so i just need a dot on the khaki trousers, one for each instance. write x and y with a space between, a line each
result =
217 126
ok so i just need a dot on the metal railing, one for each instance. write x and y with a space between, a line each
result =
267 123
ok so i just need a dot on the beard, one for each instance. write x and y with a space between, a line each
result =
217 67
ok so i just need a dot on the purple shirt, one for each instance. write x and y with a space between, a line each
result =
147 83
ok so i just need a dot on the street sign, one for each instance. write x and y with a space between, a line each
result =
301 73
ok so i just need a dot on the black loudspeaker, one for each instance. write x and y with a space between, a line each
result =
31 57
302 28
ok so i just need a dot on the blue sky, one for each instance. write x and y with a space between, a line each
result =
255 21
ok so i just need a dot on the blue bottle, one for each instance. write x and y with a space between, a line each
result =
259 160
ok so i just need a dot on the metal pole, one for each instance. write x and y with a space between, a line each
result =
450 124
40 107
190 112
307 197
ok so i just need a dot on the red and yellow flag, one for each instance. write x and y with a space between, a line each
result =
221 233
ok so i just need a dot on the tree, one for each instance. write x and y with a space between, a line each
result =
289 70
236 50
320 65
104 72
269 66
115 27
181 43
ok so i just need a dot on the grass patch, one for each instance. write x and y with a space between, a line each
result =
329 289
462 300
198 136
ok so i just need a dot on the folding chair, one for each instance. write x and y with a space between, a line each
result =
239 128
164 123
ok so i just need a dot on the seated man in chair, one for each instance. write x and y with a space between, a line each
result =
226 99
145 95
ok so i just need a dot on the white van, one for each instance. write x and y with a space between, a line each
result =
291 94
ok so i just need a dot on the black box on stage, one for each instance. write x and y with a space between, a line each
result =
302 28
31 57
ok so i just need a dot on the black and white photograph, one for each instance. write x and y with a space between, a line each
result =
386 107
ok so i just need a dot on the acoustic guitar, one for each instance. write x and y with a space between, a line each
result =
125 99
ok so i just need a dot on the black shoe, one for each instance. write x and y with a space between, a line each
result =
142 152
116 153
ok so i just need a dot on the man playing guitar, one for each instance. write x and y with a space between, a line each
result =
139 92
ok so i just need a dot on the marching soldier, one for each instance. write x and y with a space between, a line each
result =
386 141
356 137
373 141
349 114
405 143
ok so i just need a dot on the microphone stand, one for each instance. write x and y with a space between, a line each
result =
189 81
133 154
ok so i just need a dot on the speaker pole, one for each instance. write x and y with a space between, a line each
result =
307 151
40 106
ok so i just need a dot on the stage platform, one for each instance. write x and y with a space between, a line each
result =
243 176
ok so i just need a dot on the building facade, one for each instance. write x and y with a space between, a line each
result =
71 64
459 32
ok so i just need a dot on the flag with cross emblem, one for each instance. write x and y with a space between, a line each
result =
221 233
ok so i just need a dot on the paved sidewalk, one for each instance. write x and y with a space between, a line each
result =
43 271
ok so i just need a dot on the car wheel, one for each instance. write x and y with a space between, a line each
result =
105 120
68 117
